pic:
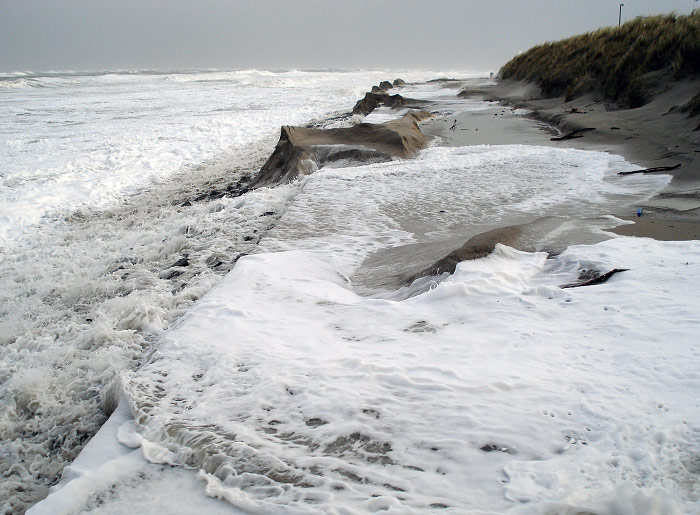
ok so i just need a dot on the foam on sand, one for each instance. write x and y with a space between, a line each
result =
292 393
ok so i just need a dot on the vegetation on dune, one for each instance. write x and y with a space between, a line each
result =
624 63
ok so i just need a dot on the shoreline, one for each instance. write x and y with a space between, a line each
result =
521 117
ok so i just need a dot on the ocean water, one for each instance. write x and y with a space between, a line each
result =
229 331
70 140
99 176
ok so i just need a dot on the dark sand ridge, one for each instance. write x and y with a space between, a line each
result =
398 267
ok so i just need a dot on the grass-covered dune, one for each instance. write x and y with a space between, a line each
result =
626 64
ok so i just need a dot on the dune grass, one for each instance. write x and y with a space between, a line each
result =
624 63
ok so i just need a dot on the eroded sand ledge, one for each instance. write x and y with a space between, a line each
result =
372 100
301 150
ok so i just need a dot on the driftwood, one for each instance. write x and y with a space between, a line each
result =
573 134
598 279
652 170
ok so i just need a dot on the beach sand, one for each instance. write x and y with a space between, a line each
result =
656 134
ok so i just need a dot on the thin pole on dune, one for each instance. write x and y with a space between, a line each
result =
619 19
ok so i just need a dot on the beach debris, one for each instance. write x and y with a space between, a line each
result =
589 277
216 259
578 133
454 125
183 261
652 170
496 448
316 422
170 274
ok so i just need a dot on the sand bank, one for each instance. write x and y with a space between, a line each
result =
301 150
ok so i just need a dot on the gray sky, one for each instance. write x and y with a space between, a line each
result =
482 35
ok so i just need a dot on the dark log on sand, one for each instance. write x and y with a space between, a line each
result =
578 133
652 170
596 279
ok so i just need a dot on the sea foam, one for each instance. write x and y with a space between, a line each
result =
101 172
494 390
293 394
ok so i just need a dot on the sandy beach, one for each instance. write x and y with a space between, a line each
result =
656 134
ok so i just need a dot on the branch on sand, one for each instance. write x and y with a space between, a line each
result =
578 133
598 279
652 170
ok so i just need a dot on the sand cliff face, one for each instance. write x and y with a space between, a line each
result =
303 150
373 99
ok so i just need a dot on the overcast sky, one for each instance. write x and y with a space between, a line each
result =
480 35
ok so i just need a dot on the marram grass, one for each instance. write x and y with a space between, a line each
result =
622 63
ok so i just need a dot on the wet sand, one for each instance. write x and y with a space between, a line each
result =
656 134
660 227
